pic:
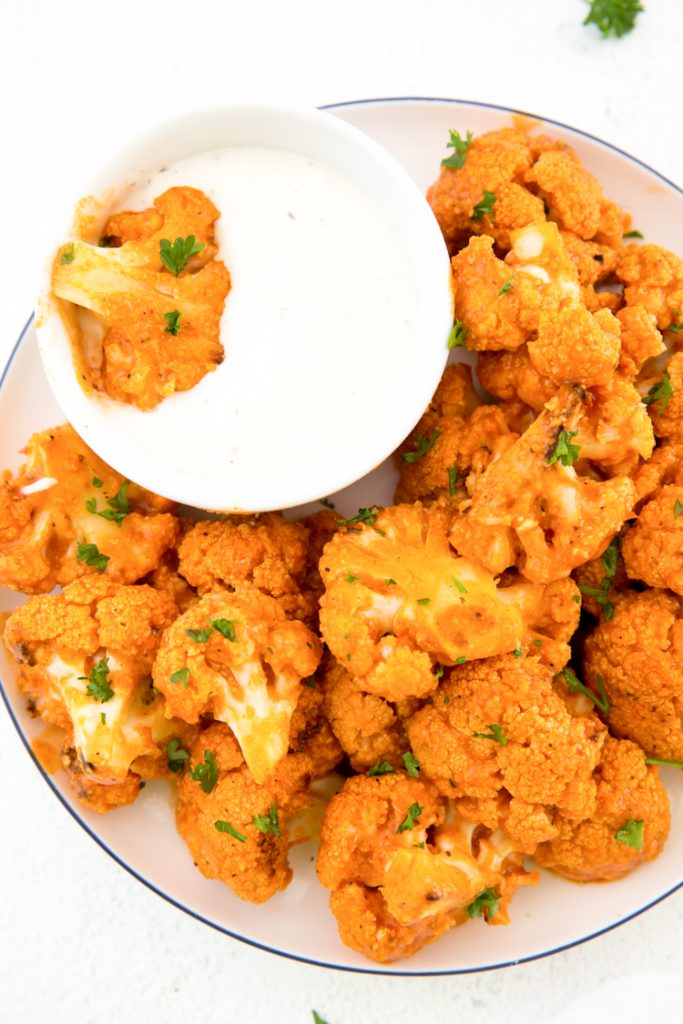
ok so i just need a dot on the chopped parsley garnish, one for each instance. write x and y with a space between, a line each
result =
389 582
176 255
517 653
507 287
664 760
119 505
678 508
269 822
423 445
200 636
453 480
181 676
99 685
363 515
484 206
461 660
310 683
486 903
176 756
633 234
92 556
423 600
613 17
226 628
317 1019
610 559
412 814
574 685
381 768
631 834
661 393
458 335
458 585
96 482
676 326
206 773
172 322
564 451
350 578
439 672
103 718
411 764
496 734
459 146
326 503
225 826
67 254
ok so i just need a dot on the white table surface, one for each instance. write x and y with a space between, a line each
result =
80 940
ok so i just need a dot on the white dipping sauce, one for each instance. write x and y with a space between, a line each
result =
319 319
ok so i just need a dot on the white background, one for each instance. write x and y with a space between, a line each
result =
80 940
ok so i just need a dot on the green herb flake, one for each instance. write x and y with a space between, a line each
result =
574 685
350 578
176 756
564 451
96 482
411 764
326 503
439 672
225 826
200 636
172 322
633 234
423 600
484 206
119 505
423 445
67 254
99 684
103 718
453 480
269 822
381 768
458 585
389 582
92 556
486 903
412 814
317 1019
576 598
507 287
661 393
181 676
613 17
363 515
206 772
459 146
226 628
458 336
176 255
676 326
631 834
461 660
517 653
664 761
678 508
496 734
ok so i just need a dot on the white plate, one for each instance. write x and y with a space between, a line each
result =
298 923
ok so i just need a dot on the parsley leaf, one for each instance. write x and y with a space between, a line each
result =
363 515
661 393
495 734
664 760
326 503
381 768
564 451
517 653
206 773
350 578
610 560
175 256
412 814
225 826
67 254
453 480
461 660
423 600
175 755
181 676
484 206
507 287
633 234
99 686
92 556
676 326
423 445
486 903
458 585
459 147
200 636
439 672
317 1019
269 822
458 335
172 322
226 628
613 17
411 764
631 834
119 505
574 685
389 582
96 482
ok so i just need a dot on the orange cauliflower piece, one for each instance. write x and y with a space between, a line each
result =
217 788
134 352
404 868
575 345
665 466
65 507
653 277
628 827
238 657
512 375
311 733
615 431
594 263
636 658
515 207
573 195
265 551
663 393
653 548
497 726
532 509
84 659
640 340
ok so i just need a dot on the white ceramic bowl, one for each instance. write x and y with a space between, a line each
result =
220 445
297 923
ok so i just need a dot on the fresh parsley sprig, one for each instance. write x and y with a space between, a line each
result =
496 734
458 336
269 823
176 255
487 903
119 505
484 206
92 556
613 17
574 685
423 444
459 146
99 684
631 834
175 755
206 772
661 392
412 814
564 451
225 826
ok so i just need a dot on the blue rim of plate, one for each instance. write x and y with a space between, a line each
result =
193 913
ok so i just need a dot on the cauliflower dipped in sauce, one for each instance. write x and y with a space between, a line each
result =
85 657
66 513
238 657
148 299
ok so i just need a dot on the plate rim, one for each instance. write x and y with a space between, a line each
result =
73 812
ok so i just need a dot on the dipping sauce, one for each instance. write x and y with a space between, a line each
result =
319 321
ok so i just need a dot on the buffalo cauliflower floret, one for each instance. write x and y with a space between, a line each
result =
311 733
665 466
663 395
574 196
628 827
653 548
264 550
575 345
615 431
635 659
512 375
640 340
157 299
532 509
238 657
67 513
497 726
404 868
594 263
85 657
235 827
654 281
